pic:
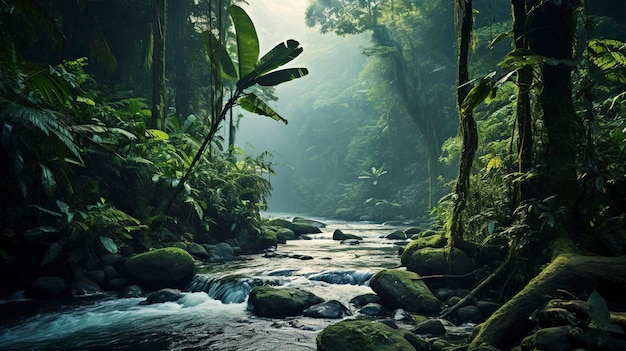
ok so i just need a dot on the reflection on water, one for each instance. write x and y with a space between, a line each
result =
213 315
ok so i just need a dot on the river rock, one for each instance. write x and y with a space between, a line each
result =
265 239
286 234
362 300
96 275
162 296
161 268
341 236
47 286
111 260
373 309
364 335
110 272
297 228
413 230
266 301
131 291
433 327
487 308
396 235
399 288
116 284
432 261
221 252
467 314
197 250
350 242
329 309
437 241
83 287
563 338
308 222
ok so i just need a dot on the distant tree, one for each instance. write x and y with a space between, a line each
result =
402 32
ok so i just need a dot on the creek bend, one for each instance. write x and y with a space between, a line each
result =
212 314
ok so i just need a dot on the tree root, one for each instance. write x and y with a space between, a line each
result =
484 283
511 322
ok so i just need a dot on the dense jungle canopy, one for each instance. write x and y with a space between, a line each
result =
495 122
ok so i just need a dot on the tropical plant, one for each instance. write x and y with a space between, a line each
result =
249 71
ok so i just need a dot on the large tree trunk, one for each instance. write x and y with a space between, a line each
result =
523 108
159 23
550 32
467 125
179 22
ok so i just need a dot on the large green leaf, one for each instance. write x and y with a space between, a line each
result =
108 244
247 40
218 54
54 251
609 56
281 54
277 77
48 182
254 104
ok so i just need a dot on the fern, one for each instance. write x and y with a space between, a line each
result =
42 121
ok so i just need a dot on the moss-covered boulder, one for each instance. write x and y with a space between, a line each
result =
365 335
400 289
297 228
267 301
431 261
266 238
308 222
436 241
197 250
169 267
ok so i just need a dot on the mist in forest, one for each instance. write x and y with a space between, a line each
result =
327 57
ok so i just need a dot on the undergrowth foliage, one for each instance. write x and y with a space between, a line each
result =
82 175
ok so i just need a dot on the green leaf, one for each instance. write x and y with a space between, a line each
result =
247 40
40 231
477 95
85 100
108 244
54 251
218 54
254 104
599 312
280 54
277 77
65 208
48 182
157 134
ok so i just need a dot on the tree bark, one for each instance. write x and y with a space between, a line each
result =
523 108
179 21
467 125
159 26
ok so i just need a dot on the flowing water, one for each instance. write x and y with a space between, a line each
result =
212 314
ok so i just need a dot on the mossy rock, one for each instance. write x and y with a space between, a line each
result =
401 289
266 301
308 222
297 228
432 261
197 250
365 335
266 238
169 267
284 234
436 241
